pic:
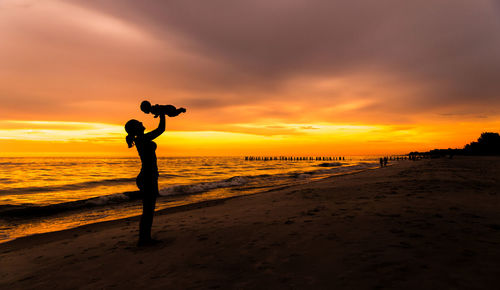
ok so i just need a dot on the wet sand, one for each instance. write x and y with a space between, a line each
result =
429 224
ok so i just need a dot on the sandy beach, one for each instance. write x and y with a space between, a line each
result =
428 224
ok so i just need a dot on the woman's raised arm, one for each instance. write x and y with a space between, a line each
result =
158 131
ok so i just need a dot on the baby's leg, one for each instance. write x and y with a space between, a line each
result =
177 112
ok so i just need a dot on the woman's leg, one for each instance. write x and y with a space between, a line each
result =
148 207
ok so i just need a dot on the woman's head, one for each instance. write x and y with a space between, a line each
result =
134 128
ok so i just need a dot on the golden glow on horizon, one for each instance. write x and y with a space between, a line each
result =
85 138
59 131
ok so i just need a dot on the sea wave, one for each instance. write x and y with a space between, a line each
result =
14 211
330 164
35 210
71 186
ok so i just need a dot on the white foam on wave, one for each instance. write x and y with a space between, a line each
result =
203 186
102 200
343 169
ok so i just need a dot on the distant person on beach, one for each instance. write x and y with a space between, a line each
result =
147 180
157 110
385 161
381 160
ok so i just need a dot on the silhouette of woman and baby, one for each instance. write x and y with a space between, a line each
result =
147 180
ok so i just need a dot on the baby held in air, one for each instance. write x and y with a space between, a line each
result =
157 110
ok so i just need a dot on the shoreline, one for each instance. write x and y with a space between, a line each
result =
68 233
423 224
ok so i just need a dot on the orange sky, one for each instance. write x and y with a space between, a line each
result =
257 77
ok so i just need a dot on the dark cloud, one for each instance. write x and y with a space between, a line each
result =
449 49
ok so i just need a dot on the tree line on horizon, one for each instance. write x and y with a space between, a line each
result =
487 144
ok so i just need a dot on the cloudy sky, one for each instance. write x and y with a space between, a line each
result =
272 77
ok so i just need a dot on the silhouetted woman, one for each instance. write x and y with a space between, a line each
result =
147 180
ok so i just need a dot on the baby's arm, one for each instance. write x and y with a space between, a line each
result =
157 110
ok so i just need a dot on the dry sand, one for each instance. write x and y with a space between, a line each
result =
429 224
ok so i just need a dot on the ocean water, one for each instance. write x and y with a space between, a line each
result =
44 194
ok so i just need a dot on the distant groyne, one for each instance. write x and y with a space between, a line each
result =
311 158
295 158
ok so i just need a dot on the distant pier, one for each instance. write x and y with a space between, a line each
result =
314 158
295 158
